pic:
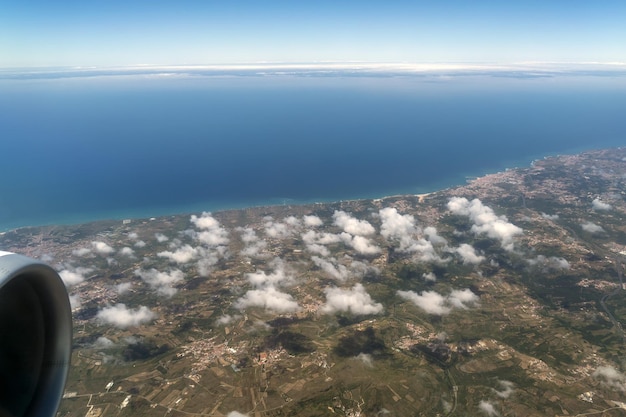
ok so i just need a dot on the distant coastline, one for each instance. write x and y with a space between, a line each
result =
147 213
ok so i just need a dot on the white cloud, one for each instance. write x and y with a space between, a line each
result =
488 409
254 246
207 262
506 389
485 221
315 241
366 358
236 414
462 299
103 343
550 216
402 230
133 236
73 276
205 222
552 262
281 230
140 244
396 227
354 300
332 268
433 236
429 276
276 278
126 251
318 249
321 238
226 319
160 237
181 255
468 254
81 251
102 248
592 227
352 225
312 221
122 317
123 287
434 303
362 245
611 377
215 236
600 205
269 298
161 282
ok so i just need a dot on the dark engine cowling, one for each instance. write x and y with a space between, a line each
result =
35 337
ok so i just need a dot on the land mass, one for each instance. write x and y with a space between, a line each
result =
500 297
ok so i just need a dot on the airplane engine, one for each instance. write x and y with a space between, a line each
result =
35 337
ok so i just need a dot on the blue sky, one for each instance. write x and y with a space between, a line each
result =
112 33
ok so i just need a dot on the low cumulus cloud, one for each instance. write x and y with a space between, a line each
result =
268 298
103 343
72 276
485 221
342 271
161 282
550 216
362 245
266 293
102 248
592 227
226 319
316 242
398 228
281 230
505 389
488 409
128 252
123 288
402 230
81 252
430 276
160 237
366 359
332 268
211 231
549 263
611 377
236 414
182 255
468 254
312 221
599 205
254 246
279 277
354 300
352 225
440 305
123 317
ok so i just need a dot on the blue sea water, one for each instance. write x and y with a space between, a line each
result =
74 150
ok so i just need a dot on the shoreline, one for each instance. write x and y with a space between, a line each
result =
142 214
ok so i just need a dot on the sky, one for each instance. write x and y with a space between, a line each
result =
36 33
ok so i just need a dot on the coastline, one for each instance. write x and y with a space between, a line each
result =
145 214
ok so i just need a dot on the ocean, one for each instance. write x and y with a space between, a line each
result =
76 150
